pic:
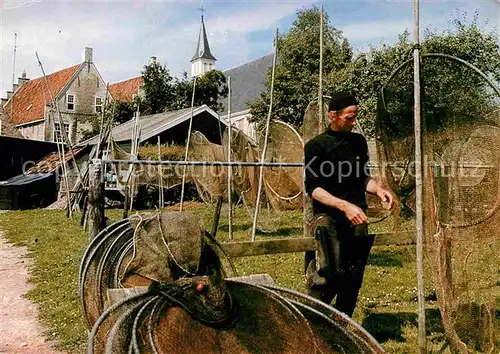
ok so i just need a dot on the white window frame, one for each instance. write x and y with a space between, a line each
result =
67 101
57 130
95 104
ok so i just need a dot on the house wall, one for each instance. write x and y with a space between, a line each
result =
242 122
85 87
33 131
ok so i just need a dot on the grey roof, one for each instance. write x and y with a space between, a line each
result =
154 124
24 179
247 82
203 48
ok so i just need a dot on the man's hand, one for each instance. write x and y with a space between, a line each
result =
355 214
386 197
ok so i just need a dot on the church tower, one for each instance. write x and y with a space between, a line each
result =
202 60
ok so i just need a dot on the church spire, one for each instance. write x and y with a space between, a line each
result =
203 48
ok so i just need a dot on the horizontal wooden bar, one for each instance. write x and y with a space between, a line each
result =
302 244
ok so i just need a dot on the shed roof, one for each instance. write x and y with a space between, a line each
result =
154 124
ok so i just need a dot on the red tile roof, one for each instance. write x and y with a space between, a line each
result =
125 90
32 96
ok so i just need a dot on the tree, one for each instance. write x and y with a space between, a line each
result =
210 88
297 70
452 94
158 87
297 67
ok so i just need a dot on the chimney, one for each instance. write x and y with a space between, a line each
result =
9 94
88 55
3 101
14 87
21 80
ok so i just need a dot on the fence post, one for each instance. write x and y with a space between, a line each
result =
96 221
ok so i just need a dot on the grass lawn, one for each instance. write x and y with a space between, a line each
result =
387 306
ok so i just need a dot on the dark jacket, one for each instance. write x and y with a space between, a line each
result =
337 162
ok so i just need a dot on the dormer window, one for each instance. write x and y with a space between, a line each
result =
70 102
98 105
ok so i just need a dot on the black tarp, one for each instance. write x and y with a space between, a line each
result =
28 191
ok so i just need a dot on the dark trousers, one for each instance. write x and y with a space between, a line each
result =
336 268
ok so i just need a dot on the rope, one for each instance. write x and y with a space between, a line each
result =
170 252
134 244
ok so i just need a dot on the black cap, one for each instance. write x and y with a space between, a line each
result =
341 100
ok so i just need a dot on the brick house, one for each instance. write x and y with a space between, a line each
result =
78 91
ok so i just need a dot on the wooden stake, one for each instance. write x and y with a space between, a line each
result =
160 175
263 155
229 168
96 220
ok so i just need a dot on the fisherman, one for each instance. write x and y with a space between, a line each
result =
336 179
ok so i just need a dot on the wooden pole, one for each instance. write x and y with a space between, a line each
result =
418 181
160 176
229 168
320 88
216 216
187 144
263 155
96 221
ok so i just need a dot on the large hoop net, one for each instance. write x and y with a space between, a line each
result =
461 184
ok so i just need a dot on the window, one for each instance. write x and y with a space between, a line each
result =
70 102
58 136
98 104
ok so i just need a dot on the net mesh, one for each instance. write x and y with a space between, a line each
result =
245 179
283 185
210 181
461 185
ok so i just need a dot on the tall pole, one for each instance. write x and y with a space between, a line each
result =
263 155
187 145
13 75
320 93
229 168
418 180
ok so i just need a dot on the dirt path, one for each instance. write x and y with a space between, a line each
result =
20 331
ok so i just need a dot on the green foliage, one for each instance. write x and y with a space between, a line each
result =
210 89
158 88
168 152
297 67
452 94
446 85
162 92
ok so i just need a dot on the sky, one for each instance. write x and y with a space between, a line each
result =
124 34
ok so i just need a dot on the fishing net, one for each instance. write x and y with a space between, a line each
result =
210 180
283 185
150 247
461 185
194 307
245 179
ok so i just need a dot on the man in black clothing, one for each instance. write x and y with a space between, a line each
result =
336 179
